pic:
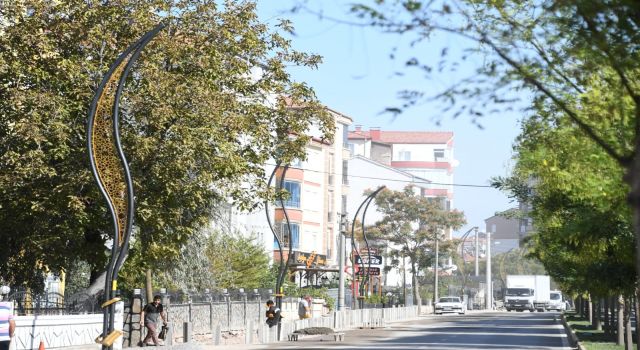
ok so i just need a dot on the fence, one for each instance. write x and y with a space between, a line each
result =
26 303
337 320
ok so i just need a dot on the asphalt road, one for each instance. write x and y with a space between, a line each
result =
495 330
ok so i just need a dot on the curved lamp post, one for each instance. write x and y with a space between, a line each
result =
283 266
111 171
365 277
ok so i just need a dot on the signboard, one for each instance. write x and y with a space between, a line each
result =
374 271
309 259
364 260
371 250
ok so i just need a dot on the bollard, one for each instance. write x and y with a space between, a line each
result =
217 333
168 339
248 333
186 332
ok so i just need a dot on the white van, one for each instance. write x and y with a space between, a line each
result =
556 302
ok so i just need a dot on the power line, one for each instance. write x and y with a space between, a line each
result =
394 180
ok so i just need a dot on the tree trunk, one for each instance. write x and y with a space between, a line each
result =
607 323
590 310
628 339
636 306
632 177
597 315
620 321
416 287
149 286
580 306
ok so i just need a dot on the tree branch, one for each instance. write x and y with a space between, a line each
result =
615 64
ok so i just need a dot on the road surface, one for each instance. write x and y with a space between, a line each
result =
493 330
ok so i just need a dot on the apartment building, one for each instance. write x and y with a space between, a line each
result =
424 159
425 154
318 188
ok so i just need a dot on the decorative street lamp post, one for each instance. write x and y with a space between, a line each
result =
282 271
111 171
367 272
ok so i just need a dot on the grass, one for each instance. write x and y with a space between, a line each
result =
591 339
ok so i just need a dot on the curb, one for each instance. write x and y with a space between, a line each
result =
575 342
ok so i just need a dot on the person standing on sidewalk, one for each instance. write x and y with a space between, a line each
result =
7 325
149 318
304 307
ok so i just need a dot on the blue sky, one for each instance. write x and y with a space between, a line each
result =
357 78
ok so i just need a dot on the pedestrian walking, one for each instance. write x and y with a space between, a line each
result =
273 314
149 318
7 325
304 307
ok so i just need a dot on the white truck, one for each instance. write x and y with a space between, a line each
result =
527 292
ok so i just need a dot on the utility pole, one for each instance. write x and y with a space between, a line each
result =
489 298
476 256
435 270
341 258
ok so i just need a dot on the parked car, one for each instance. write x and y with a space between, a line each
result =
450 304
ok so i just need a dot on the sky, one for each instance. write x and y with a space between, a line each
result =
357 79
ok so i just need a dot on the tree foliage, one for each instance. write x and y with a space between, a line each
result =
202 113
237 261
584 234
411 224
579 61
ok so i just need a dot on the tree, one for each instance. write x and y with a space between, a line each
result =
563 52
203 111
412 224
583 225
237 261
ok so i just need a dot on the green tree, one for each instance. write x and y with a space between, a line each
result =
578 58
203 111
583 224
237 261
412 224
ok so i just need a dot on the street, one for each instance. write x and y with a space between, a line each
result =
495 330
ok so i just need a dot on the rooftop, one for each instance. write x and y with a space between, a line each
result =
413 137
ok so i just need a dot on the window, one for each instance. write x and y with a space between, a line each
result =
293 188
344 204
345 136
404 155
296 163
438 154
286 238
345 172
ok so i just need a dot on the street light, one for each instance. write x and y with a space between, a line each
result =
489 293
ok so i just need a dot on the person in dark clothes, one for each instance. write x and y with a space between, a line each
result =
149 318
273 314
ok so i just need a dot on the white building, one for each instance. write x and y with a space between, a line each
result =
368 174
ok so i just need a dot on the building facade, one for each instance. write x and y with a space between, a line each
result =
317 193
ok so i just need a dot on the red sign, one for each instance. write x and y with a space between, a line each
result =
374 271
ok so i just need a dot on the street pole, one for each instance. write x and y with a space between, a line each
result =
404 281
489 298
341 258
435 270
477 253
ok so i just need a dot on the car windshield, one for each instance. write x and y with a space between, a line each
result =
450 300
555 296
519 292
